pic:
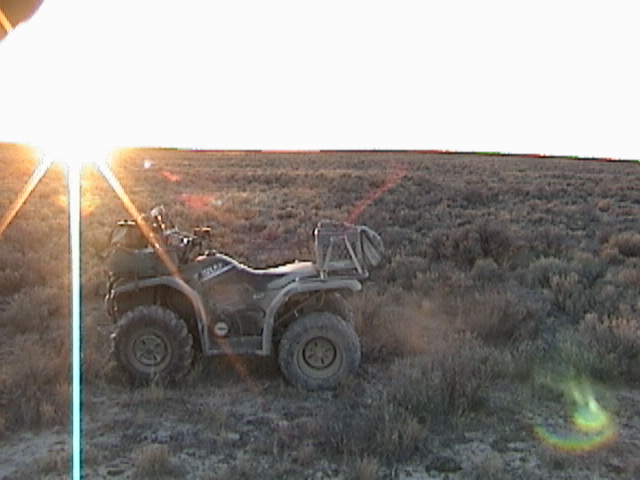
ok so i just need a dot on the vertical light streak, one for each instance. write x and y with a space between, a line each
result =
73 186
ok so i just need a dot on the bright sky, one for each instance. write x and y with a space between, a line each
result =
542 77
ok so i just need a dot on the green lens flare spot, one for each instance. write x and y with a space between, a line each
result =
576 442
591 418
590 426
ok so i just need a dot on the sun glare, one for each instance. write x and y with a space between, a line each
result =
74 156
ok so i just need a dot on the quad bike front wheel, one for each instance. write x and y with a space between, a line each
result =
152 342
318 351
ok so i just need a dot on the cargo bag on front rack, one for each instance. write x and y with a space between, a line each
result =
343 249
130 255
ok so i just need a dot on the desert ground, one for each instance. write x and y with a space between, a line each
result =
500 337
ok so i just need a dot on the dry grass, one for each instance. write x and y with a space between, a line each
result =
492 264
384 430
367 468
33 302
613 346
34 385
626 243
56 464
448 382
154 461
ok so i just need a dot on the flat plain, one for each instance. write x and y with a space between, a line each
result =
507 303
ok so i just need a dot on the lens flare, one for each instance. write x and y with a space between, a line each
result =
197 202
4 22
38 173
236 360
394 177
588 416
146 230
74 159
591 425
172 177
73 156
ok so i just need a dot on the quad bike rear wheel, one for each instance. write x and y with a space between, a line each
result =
152 342
335 303
318 351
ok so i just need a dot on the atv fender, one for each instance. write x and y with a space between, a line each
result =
174 283
295 288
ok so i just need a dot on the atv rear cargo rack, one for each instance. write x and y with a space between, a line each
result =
345 249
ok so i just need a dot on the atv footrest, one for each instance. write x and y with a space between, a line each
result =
238 345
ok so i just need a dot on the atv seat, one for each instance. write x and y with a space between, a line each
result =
277 277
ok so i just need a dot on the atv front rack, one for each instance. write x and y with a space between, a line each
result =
343 249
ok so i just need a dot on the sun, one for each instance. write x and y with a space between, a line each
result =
72 156
59 98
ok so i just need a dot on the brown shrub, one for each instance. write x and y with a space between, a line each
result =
55 465
603 348
573 288
539 273
97 362
613 344
10 281
486 271
570 295
153 461
383 430
21 268
590 268
34 384
443 278
611 255
626 243
630 277
500 316
548 240
366 468
447 383
522 360
402 270
390 323
36 310
465 245
604 205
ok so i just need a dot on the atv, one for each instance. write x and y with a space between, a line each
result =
169 297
